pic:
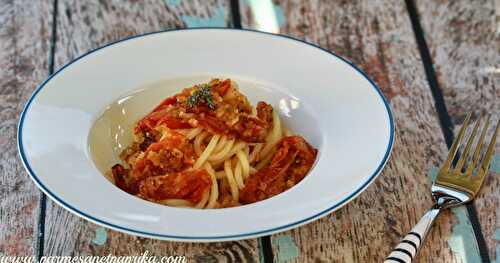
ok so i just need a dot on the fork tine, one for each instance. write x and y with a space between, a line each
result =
489 153
465 153
479 146
456 143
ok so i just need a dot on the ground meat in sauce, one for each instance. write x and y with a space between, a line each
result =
292 161
251 129
150 137
161 167
230 116
121 175
265 112
189 185
173 154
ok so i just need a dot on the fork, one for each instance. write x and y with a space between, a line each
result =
453 186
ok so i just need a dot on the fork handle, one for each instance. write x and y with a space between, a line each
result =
407 249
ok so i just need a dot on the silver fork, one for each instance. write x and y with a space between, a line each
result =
452 187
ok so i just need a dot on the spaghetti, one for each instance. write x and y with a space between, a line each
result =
207 147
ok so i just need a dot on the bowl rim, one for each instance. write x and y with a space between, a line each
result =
125 229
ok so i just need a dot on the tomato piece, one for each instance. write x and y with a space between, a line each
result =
223 87
174 123
265 112
290 164
160 117
173 141
212 123
168 101
172 154
149 121
189 185
251 129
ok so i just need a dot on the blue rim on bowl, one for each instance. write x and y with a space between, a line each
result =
190 238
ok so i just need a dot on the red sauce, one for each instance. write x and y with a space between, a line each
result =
291 163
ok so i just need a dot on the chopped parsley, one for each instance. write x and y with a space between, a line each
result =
201 94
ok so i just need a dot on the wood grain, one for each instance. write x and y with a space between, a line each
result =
464 40
85 25
24 52
377 36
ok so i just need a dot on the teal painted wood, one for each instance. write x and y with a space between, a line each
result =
377 36
464 40
24 51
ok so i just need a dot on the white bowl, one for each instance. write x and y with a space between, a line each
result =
319 95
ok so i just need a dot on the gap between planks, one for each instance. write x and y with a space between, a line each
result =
443 115
40 238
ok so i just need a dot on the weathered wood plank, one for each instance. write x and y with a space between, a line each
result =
377 36
464 40
84 25
25 29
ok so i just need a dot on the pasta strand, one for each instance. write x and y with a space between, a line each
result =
214 191
266 160
237 175
243 162
274 136
230 179
204 156
220 155
176 202
203 200
221 144
197 142
193 133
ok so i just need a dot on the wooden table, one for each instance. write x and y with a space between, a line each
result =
435 60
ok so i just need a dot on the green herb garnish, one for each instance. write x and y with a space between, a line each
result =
202 94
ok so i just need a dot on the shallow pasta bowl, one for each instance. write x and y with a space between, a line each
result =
319 95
